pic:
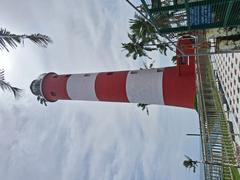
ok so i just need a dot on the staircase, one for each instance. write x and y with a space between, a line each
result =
216 137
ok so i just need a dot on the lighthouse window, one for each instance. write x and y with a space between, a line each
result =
133 72
86 75
53 93
159 70
109 73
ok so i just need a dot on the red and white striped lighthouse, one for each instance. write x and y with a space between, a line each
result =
173 86
152 86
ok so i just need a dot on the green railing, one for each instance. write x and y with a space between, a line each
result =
216 137
188 15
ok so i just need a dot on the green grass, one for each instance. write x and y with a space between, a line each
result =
235 172
196 103
228 147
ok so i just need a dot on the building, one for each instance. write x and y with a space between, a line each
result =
227 70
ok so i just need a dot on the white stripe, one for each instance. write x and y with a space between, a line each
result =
145 86
82 87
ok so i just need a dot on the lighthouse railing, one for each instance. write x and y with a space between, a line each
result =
217 144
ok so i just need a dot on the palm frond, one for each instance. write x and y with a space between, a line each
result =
1 74
189 163
145 65
5 86
144 107
151 66
186 164
39 39
42 100
188 157
13 40
147 111
174 59
6 38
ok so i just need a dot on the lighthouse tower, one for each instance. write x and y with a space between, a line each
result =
173 86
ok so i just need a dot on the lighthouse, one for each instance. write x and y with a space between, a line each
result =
174 86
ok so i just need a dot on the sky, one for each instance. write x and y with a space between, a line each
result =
79 140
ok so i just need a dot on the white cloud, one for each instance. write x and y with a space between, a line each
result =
84 140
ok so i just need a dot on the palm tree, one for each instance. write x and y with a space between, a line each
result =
138 47
189 163
142 29
13 40
5 86
144 37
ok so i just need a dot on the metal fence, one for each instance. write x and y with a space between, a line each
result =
188 15
217 145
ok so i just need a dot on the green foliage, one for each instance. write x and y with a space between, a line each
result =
135 48
162 48
235 173
196 103
174 59
143 38
190 164
5 86
7 39
142 29
42 100
13 40
144 107
38 39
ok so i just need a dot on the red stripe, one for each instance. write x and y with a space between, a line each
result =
111 86
179 83
54 87
178 90
186 45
